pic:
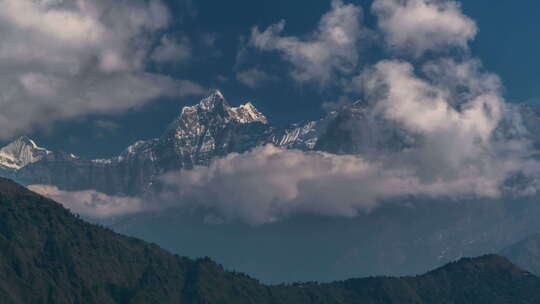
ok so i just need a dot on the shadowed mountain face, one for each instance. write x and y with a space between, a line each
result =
49 256
526 253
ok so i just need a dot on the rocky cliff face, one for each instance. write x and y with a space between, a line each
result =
21 153
210 129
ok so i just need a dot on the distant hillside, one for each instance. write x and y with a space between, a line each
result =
47 255
526 253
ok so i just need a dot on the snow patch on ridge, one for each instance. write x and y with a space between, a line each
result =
21 153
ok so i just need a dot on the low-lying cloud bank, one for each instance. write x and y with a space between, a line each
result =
91 203
268 184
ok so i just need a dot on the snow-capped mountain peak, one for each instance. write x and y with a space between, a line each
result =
20 153
247 113
213 101
216 103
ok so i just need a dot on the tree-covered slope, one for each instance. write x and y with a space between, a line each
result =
47 255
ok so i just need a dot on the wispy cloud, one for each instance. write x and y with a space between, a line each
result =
332 48
172 50
91 203
253 77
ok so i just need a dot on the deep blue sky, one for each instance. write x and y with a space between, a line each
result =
507 43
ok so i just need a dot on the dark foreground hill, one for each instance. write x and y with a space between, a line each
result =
47 255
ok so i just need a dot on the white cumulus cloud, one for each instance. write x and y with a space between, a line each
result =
332 48
417 26
455 124
63 58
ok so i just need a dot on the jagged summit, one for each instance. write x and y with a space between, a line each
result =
20 153
217 104
214 101
213 128
247 113
24 140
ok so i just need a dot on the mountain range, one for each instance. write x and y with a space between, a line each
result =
48 255
201 133
404 239
212 128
